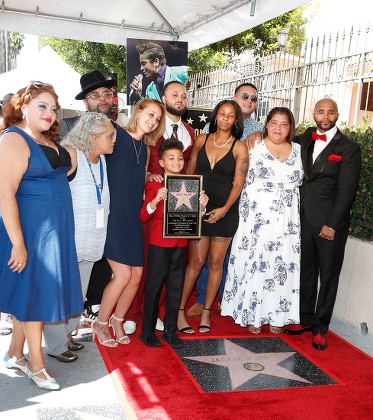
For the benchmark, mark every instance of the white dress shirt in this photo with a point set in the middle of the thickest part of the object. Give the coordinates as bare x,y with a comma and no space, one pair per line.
321,144
182,132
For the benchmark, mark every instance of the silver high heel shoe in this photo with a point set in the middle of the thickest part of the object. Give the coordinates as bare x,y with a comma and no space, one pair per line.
48,384
122,340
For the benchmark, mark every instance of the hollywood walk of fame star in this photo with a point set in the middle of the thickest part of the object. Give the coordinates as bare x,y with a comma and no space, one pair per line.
183,197
203,117
244,365
190,121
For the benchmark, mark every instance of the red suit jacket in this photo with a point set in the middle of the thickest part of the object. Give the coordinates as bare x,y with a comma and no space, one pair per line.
156,219
154,167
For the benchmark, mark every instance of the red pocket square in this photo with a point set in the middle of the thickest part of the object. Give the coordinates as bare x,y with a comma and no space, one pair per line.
334,158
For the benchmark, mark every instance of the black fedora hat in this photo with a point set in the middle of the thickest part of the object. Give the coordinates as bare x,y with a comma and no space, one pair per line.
93,80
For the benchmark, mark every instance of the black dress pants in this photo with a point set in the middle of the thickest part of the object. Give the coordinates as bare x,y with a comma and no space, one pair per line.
320,258
100,277
165,265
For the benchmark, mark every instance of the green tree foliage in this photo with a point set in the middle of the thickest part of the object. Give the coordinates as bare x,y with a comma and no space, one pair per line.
11,44
362,209
16,42
86,56
261,39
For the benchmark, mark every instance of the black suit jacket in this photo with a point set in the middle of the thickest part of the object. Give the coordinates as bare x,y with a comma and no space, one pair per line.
329,186
66,125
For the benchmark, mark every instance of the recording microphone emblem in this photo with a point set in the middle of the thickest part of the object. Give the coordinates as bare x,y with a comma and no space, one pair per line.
139,78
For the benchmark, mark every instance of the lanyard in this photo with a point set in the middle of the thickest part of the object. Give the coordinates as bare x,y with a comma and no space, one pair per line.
99,187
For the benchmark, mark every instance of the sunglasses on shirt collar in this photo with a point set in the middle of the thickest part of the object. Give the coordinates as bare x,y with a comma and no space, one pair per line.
254,98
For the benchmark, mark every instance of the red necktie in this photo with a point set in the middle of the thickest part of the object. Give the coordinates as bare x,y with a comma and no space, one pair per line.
174,132
316,136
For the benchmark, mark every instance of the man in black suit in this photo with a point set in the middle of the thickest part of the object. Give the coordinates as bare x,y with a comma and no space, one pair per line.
331,164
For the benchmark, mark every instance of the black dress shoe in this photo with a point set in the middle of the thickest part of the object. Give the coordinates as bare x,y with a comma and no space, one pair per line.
297,330
73,345
173,340
66,357
150,340
319,341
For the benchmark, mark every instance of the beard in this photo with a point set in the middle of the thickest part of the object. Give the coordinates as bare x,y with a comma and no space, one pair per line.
96,108
173,111
324,127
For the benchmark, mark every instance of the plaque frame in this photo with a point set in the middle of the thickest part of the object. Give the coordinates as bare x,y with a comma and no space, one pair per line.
182,223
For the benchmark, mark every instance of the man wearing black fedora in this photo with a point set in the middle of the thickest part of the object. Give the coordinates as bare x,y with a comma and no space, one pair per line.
98,97
92,83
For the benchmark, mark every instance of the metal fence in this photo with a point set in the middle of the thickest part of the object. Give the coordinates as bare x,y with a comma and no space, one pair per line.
339,66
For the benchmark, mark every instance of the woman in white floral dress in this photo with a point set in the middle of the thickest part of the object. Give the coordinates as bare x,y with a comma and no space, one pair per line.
262,284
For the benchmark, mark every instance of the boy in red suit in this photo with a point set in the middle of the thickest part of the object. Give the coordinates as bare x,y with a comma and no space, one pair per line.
166,257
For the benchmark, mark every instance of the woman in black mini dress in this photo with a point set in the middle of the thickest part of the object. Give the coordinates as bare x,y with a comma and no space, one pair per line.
223,162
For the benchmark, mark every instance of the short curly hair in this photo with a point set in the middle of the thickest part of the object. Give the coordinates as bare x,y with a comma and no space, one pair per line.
170,144
89,123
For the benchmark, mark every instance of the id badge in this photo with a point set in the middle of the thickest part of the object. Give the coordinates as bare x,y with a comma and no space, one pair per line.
100,218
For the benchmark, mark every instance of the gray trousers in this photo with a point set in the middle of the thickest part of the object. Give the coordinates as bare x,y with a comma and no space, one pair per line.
55,333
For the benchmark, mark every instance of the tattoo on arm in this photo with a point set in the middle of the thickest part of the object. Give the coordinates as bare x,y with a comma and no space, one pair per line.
244,167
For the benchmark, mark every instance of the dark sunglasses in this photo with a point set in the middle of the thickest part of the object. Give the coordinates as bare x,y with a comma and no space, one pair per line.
254,98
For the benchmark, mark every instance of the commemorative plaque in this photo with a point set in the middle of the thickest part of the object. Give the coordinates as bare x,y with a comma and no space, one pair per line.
182,210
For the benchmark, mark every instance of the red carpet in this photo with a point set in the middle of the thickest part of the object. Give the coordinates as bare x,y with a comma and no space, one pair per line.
158,386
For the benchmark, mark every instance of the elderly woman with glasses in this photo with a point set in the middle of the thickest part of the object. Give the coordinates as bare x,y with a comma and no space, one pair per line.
39,273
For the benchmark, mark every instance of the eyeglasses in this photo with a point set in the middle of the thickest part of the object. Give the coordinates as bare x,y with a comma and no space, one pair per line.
254,98
95,96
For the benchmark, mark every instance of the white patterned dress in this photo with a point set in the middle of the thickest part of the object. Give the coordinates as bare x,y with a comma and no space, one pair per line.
262,284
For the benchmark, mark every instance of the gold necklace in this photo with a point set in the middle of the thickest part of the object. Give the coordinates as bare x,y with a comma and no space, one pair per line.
222,144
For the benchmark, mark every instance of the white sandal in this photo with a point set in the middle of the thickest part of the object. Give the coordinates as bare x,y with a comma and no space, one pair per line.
110,342
121,340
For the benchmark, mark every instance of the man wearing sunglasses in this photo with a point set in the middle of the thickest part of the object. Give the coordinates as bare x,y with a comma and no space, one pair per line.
246,95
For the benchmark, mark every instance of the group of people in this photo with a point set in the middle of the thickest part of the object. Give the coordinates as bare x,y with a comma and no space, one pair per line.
275,218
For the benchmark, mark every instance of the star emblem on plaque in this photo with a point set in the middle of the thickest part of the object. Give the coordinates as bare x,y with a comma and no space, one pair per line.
182,210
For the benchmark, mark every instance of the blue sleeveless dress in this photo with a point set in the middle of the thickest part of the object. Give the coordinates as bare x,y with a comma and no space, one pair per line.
126,177
48,289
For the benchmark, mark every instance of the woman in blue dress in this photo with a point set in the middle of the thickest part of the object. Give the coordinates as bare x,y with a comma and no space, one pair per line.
124,248
39,275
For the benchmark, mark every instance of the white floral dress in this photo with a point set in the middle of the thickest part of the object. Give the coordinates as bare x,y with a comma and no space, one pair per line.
262,284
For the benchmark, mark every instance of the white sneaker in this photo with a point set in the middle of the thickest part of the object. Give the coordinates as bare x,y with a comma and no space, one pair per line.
159,325
130,327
